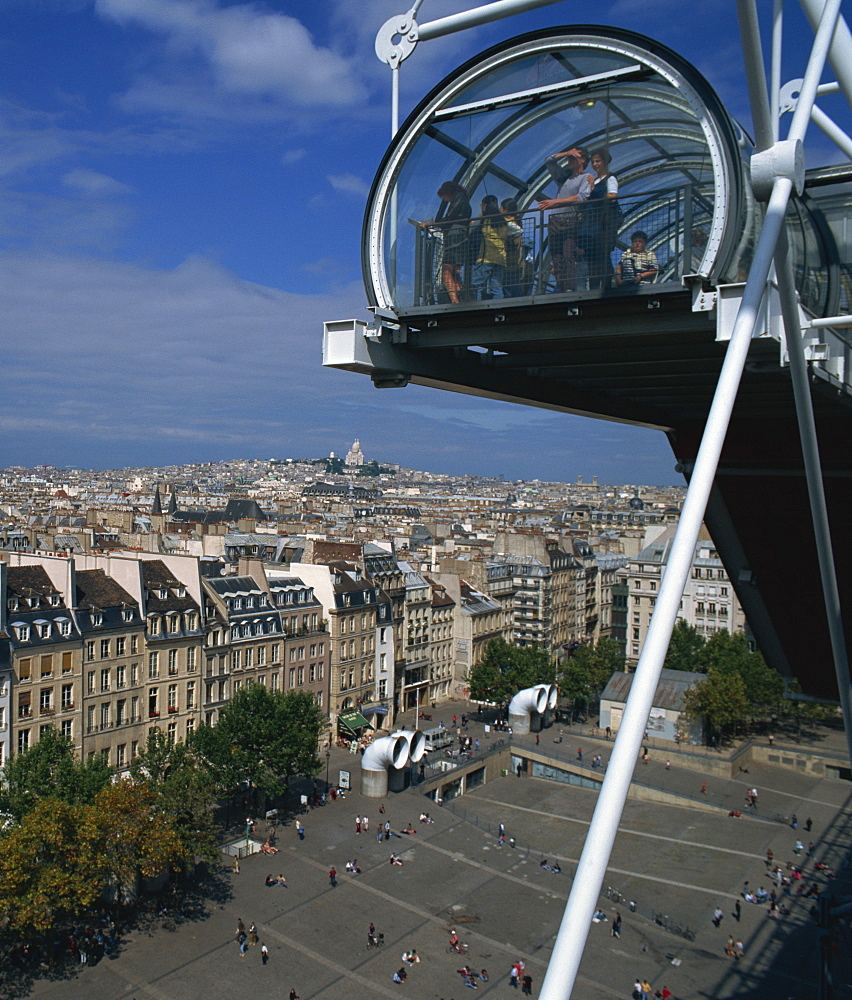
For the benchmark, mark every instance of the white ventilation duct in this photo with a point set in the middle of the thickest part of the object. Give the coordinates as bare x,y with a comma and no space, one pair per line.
416,742
552,694
388,752
524,704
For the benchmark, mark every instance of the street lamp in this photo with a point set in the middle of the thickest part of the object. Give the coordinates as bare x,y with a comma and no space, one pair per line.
327,759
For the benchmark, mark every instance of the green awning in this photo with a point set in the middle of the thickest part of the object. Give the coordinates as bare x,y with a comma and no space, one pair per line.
353,721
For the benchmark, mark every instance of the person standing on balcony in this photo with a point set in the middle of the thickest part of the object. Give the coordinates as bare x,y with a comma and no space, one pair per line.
490,267
574,189
514,251
454,224
601,221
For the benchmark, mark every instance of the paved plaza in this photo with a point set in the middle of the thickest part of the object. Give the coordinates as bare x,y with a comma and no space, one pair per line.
670,858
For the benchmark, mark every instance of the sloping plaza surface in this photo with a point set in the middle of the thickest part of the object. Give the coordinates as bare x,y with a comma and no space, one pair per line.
681,858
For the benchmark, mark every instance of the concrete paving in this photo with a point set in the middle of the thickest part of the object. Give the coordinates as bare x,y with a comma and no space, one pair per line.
674,859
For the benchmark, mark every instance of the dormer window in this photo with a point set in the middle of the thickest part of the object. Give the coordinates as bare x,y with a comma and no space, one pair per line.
97,618
180,591
55,600
262,601
249,602
12,604
237,603
163,594
23,633
126,614
44,630
154,625
65,626
279,599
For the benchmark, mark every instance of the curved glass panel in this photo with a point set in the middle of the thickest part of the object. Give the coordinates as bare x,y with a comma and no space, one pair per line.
675,167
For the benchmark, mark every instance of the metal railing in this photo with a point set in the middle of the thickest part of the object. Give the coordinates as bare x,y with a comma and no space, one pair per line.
597,233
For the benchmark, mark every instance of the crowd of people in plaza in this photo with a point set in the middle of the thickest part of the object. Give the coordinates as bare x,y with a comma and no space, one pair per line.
493,255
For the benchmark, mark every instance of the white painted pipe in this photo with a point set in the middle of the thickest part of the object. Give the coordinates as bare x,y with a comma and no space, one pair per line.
552,693
521,707
382,755
416,742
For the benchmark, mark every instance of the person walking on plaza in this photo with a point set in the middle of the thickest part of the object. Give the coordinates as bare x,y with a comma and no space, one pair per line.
616,925
365,824
739,949
236,865
357,824
253,938
703,787
729,947
300,830
264,953
737,911
527,987
718,913
332,877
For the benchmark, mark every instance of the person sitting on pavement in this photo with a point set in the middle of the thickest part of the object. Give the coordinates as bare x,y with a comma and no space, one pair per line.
270,880
396,860
400,976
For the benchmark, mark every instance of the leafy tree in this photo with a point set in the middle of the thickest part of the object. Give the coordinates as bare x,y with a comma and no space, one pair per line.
50,769
265,737
686,648
730,654
44,874
133,836
721,700
57,861
586,673
506,669
183,788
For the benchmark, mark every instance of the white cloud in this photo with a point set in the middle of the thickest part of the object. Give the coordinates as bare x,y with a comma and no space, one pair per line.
257,61
187,352
90,182
350,184
293,156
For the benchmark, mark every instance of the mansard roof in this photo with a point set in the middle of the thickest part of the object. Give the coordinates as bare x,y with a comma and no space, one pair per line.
97,590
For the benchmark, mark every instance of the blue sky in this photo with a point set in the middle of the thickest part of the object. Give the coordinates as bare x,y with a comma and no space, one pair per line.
182,184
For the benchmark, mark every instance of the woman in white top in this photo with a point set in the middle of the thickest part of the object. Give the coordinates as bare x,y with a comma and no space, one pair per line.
602,219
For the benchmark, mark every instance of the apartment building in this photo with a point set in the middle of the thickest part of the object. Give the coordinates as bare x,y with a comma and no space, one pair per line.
441,659
350,603
113,690
44,677
174,646
709,603
415,682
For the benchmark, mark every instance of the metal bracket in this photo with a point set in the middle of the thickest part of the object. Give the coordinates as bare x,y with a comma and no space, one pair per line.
397,39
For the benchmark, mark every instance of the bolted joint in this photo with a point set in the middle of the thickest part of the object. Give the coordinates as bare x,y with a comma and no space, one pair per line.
784,159
396,39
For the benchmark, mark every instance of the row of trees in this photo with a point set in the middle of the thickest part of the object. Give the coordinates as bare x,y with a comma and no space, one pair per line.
73,830
739,687
506,669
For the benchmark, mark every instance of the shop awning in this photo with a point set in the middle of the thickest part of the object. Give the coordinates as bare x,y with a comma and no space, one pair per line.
353,721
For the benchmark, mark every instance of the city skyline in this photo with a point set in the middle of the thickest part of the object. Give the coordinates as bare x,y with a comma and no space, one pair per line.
183,186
